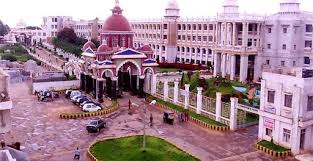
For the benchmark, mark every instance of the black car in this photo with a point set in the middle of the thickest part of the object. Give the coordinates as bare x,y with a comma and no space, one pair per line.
96,125
168,117
82,100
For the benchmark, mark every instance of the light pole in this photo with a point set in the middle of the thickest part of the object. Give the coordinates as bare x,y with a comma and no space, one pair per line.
144,122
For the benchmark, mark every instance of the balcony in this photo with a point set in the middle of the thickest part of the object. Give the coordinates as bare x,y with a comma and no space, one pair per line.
307,49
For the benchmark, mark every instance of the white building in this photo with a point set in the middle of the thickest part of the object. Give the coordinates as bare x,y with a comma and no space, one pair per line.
240,45
286,108
53,24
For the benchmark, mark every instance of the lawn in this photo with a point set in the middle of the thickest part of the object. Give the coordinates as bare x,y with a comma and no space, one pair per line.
130,149
191,113
17,52
272,146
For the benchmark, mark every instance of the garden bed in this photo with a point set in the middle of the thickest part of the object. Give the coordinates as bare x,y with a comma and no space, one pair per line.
130,149
272,146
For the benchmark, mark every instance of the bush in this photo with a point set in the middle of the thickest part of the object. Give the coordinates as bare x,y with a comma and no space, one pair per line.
9,57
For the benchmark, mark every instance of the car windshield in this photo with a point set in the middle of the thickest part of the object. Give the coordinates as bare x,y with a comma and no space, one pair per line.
94,122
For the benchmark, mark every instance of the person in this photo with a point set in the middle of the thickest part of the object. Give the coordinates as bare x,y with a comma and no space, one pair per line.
129,104
183,117
187,116
77,154
151,120
179,117
2,144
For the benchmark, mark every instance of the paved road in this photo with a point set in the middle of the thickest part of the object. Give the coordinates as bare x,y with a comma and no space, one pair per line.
47,138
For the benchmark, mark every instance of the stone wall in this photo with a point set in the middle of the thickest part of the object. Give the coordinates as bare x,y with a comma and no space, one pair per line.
59,85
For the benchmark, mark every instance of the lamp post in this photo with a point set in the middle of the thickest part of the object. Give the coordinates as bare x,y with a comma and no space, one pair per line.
144,122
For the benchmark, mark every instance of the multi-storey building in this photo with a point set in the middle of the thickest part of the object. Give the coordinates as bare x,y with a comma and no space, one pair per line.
53,24
239,45
286,108
88,29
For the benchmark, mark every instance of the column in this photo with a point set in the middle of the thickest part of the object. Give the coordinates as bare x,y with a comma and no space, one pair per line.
234,34
199,100
176,88
232,67
82,81
100,90
87,83
243,68
141,93
233,113
218,106
223,64
217,64
154,84
245,34
187,86
201,55
180,55
165,90
114,93
258,36
296,131
109,87
94,87
133,84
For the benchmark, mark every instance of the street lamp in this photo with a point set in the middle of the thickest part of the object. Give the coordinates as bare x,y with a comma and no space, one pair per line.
144,122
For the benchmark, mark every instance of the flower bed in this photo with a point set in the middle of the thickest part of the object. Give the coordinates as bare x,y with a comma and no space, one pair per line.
194,117
111,109
273,149
129,148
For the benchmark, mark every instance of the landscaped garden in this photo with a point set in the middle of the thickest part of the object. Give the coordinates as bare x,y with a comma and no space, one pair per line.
130,149
272,146
14,53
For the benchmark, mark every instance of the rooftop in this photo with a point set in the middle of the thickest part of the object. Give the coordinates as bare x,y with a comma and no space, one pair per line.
294,72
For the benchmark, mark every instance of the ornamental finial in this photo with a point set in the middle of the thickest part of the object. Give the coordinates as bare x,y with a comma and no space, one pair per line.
117,2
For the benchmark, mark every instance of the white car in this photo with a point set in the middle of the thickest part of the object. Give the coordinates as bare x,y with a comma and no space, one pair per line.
75,93
90,107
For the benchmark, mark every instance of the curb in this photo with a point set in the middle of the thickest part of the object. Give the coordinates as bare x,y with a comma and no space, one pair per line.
273,153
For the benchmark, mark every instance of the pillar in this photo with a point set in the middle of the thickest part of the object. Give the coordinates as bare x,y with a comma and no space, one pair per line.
133,84
244,34
141,93
114,93
82,81
187,86
223,65
234,34
233,113
87,82
232,67
199,100
154,84
218,106
243,68
165,92
217,64
100,90
176,88
109,87
94,87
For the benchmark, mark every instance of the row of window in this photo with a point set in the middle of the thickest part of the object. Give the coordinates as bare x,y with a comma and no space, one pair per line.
39,34
288,100
54,26
286,134
308,28
307,44
195,38
82,27
54,19
179,27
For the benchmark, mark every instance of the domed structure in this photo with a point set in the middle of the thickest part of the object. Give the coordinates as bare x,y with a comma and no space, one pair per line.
147,50
172,4
89,44
117,30
103,47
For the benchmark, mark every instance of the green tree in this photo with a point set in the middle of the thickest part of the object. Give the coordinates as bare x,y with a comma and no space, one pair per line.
8,57
68,35
194,81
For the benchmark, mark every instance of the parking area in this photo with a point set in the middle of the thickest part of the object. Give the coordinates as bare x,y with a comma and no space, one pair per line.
47,138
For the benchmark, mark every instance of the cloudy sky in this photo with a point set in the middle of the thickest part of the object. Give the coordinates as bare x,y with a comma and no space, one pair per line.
32,11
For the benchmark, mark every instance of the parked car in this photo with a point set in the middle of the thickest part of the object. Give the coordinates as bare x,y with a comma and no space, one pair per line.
75,98
96,125
75,93
46,95
68,93
168,117
90,107
82,100
88,102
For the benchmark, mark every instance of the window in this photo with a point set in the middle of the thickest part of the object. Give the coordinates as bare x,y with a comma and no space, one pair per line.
284,47
268,62
288,100
308,28
286,135
294,63
205,27
268,132
164,37
308,44
210,38
210,27
269,46
165,26
199,38
307,60
193,38
294,47
270,96
310,103
282,63
179,37
285,30
269,30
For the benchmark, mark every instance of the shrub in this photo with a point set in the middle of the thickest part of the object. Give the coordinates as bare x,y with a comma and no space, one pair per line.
9,57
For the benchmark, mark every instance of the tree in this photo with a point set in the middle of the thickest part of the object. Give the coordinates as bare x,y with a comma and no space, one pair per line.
4,29
9,57
68,35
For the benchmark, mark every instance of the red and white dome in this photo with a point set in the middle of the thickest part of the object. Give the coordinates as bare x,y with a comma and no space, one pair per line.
116,22
103,48
145,48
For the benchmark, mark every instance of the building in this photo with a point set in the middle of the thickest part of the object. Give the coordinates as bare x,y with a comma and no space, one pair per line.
53,24
286,108
88,29
5,103
115,66
239,45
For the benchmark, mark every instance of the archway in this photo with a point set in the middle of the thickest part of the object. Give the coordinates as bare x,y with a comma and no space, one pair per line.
148,77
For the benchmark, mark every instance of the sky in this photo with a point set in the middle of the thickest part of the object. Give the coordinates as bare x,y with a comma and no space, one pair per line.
32,11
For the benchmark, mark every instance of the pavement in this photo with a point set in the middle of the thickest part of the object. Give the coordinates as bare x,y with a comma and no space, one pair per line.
46,137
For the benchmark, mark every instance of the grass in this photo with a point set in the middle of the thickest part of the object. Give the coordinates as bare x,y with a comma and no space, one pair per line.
16,51
251,118
191,113
272,146
130,149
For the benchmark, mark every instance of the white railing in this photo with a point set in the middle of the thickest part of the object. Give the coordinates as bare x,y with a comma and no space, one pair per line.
248,108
